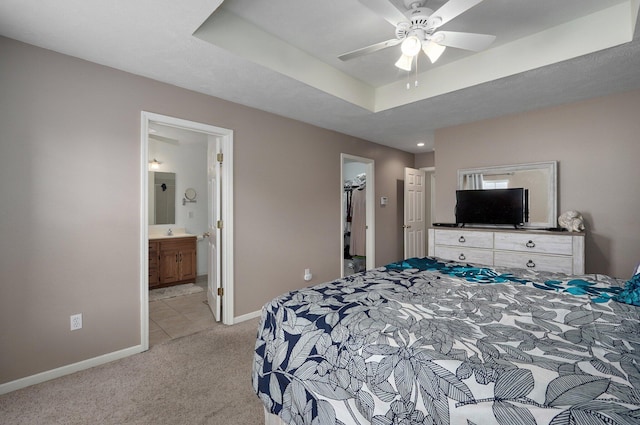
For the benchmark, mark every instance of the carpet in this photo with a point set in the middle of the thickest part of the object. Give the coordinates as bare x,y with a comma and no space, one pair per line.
200,379
174,291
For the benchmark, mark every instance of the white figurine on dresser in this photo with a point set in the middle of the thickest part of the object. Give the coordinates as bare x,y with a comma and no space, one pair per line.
533,249
572,221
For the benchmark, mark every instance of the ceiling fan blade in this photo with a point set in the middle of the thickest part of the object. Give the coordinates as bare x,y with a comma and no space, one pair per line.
463,40
385,9
450,10
369,49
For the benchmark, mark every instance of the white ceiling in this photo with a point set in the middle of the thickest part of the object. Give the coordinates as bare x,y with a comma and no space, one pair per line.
174,135
547,52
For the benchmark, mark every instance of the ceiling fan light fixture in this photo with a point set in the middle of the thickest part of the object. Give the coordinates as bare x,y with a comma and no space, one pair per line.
411,46
417,28
405,62
433,50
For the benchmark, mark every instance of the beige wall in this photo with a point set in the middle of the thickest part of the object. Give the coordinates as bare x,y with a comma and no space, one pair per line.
597,146
70,203
423,160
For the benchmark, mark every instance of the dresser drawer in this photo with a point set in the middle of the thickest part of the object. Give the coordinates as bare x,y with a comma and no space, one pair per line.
465,255
544,244
539,262
464,238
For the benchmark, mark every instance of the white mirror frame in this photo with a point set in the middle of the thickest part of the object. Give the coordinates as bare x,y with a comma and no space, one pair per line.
552,184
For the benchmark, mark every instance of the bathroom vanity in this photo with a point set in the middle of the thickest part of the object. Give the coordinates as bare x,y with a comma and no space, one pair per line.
172,260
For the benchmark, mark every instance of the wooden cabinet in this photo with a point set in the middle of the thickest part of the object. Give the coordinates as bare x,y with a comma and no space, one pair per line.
540,250
154,274
174,261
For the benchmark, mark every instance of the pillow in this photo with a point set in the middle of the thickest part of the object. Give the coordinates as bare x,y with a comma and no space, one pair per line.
631,292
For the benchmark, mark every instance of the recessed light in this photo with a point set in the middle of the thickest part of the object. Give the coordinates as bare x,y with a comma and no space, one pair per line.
421,144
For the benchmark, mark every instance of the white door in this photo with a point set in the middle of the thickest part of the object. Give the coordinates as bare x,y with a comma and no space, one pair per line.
414,213
214,214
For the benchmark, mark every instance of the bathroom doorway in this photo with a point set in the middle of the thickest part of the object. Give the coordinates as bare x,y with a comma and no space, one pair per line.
193,152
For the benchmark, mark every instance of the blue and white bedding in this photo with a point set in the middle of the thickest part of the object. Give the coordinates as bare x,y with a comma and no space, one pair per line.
432,342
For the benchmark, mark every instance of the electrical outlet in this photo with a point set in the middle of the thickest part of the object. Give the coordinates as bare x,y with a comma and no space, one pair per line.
76,321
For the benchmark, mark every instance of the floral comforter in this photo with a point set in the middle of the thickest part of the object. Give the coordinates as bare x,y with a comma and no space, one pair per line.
431,342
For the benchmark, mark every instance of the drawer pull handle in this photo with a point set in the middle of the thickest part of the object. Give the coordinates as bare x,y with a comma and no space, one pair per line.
530,244
531,264
461,257
461,239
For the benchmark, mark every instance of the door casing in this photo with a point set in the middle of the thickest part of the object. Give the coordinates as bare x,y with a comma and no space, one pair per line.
370,209
226,138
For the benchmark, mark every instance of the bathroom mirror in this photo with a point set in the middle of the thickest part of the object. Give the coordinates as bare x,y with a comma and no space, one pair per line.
539,177
162,198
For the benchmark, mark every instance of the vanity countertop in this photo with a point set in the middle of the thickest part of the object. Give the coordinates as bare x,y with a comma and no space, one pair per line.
176,233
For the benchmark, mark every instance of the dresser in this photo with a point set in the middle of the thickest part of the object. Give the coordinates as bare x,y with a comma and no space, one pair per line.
526,249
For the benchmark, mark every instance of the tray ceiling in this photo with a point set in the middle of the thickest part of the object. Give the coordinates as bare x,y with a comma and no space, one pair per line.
281,56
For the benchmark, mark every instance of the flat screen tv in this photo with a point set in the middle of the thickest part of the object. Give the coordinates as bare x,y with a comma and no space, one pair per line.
492,206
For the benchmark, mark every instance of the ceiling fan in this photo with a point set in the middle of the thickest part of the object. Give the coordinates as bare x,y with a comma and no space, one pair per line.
416,29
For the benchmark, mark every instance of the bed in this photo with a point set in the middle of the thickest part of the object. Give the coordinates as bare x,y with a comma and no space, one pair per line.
429,341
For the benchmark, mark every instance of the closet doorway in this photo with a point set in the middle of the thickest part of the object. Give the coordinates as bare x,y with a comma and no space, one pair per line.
357,216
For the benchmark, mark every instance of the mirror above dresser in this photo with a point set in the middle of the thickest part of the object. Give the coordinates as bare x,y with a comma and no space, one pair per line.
540,178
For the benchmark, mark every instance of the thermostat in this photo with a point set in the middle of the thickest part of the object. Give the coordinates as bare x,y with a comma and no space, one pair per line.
384,200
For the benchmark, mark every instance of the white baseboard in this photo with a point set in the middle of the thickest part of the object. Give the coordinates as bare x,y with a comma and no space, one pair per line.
69,369
89,363
248,316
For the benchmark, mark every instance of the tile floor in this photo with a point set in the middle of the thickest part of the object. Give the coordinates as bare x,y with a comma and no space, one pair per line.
179,316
